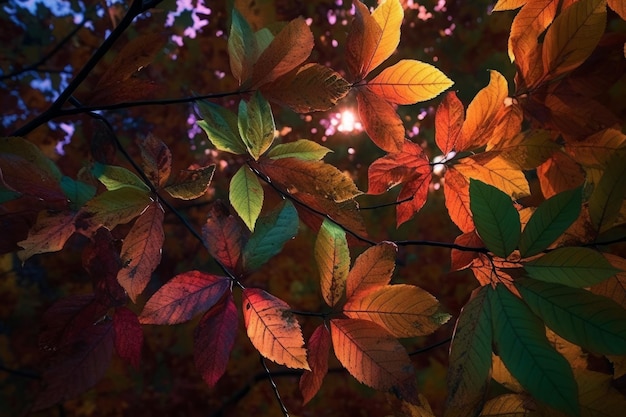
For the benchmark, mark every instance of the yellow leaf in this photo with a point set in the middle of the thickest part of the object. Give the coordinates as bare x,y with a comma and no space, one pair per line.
372,269
481,113
573,36
597,395
402,310
380,120
272,329
362,41
497,172
503,376
508,5
333,261
388,15
409,82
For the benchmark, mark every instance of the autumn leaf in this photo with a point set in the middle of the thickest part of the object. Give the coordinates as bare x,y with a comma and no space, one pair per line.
362,41
615,286
332,257
272,329
372,356
609,193
618,7
48,234
596,150
191,183
184,296
304,149
456,192
372,269
388,15
213,340
256,124
530,22
380,120
461,259
559,173
141,251
448,122
573,36
22,148
409,82
495,171
508,125
112,208
114,177
246,196
319,348
402,310
528,149
156,159
243,50
223,235
128,336
508,5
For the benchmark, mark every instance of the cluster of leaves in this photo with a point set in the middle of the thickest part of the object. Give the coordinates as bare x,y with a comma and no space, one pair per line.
547,299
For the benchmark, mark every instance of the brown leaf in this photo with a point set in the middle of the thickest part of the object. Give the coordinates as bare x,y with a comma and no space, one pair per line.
48,234
157,160
362,41
319,348
559,173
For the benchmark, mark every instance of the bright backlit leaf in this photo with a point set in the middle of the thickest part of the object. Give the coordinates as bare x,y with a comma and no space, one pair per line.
271,233
332,257
141,251
220,125
586,319
388,15
372,269
497,172
380,121
372,355
529,149
246,196
256,124
496,220
571,266
304,149
362,41
273,329
402,310
191,183
470,357
48,234
213,340
319,348
448,122
549,221
456,192
114,177
508,5
409,82
183,297
520,338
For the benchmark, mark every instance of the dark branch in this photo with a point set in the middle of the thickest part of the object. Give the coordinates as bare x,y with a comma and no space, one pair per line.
283,408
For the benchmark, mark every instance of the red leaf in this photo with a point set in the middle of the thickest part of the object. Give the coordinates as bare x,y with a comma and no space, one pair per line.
102,261
372,269
27,178
463,259
319,348
141,251
128,336
456,192
184,296
214,339
448,122
49,234
223,235
157,160
380,120
362,42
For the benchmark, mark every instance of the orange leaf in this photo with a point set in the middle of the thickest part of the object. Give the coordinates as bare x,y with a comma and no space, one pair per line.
388,15
531,21
573,36
402,310
481,113
559,173
157,160
508,125
141,251
273,330
333,261
461,259
380,120
290,48
409,82
372,269
508,5
184,296
618,7
448,121
597,149
372,355
496,171
319,348
48,234
223,235
362,41
456,192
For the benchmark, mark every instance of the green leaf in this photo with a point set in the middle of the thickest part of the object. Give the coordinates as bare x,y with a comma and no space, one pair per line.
114,177
574,267
77,192
8,195
304,149
220,125
271,234
242,47
609,193
549,221
256,124
594,322
333,261
192,183
523,347
112,208
246,196
470,357
496,220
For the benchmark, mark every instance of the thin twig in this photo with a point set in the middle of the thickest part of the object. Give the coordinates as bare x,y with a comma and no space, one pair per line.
17,372
394,203
430,347
274,388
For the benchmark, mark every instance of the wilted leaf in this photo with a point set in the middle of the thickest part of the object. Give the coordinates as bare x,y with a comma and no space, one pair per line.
213,339
184,296
271,233
402,310
242,47
470,357
609,193
380,121
372,269
332,257
372,356
246,196
157,160
114,177
128,336
448,122
575,267
48,234
273,330
220,125
520,338
309,88
304,149
191,183
456,192
141,251
112,208
588,320
223,235
409,82
256,124
362,41
496,220
573,36
319,348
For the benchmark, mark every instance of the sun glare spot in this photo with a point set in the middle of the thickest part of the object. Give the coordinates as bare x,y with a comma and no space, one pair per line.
348,122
